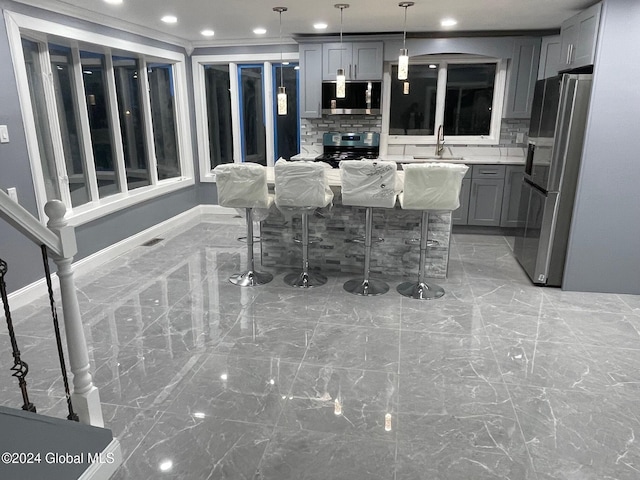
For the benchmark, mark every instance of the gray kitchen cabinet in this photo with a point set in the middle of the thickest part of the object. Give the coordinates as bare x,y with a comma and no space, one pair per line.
511,196
522,80
460,216
360,60
549,57
485,200
310,94
579,36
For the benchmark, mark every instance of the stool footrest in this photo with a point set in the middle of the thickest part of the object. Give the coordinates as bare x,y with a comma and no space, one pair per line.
420,290
250,278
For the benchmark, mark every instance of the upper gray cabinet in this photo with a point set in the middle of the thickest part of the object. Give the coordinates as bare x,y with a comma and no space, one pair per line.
360,60
549,57
522,80
579,36
310,80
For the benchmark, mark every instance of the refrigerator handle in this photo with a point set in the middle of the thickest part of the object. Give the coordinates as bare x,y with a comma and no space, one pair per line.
528,166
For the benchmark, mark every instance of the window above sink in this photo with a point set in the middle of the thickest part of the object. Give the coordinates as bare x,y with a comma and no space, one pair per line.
464,93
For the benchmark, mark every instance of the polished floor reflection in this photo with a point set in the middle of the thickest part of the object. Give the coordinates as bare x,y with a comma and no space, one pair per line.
201,379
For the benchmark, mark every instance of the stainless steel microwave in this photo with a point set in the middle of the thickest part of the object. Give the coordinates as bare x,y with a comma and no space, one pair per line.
362,98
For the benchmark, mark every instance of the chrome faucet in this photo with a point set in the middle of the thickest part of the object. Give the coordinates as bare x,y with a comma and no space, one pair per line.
440,141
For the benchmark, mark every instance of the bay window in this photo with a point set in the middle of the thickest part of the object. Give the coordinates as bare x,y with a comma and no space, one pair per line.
106,120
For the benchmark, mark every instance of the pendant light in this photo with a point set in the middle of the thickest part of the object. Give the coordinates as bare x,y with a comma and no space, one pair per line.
282,91
403,60
340,76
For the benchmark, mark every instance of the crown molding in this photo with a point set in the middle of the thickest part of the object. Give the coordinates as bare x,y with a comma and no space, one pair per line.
80,13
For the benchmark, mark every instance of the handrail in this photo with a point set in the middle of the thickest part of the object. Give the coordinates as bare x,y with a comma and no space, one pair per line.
27,224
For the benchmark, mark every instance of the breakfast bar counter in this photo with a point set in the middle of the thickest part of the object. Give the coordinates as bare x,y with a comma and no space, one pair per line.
335,227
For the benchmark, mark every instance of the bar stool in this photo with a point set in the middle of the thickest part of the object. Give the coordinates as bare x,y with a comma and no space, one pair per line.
302,187
244,185
429,187
368,184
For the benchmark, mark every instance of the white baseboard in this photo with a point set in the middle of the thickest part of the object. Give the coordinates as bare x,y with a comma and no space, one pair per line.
112,456
33,291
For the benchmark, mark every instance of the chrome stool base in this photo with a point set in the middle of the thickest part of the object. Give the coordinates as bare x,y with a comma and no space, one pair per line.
305,279
250,278
366,288
420,290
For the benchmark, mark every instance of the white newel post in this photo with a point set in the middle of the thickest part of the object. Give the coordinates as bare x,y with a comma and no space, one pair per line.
85,396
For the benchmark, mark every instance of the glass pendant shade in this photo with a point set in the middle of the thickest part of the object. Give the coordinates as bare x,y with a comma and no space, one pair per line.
403,64
282,101
341,84
405,88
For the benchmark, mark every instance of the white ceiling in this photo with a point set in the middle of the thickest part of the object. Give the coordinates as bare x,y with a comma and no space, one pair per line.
234,20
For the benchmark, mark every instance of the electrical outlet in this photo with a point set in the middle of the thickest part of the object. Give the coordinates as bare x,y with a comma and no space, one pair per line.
13,194
4,134
519,137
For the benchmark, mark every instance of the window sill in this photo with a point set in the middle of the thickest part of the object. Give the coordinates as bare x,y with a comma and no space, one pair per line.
94,210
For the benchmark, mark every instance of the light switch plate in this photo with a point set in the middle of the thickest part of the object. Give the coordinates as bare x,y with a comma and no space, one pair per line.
4,134
13,194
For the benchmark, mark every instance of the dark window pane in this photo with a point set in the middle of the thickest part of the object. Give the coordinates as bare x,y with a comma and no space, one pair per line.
217,87
469,99
252,115
413,114
126,72
63,81
38,104
161,90
93,74
287,131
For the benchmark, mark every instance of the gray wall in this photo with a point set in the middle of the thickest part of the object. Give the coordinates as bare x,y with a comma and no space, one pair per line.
23,257
604,247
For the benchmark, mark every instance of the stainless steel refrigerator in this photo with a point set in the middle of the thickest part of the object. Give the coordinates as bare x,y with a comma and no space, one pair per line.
556,137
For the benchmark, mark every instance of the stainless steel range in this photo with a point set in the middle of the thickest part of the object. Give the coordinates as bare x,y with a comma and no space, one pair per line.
349,146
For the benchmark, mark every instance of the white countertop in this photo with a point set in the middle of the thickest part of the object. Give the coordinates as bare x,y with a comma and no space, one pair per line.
467,159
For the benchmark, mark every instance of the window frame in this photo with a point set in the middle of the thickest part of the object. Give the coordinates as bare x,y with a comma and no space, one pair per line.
198,63
40,30
499,98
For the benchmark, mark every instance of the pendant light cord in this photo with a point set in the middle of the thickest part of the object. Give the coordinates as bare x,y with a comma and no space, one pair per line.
281,55
341,64
404,36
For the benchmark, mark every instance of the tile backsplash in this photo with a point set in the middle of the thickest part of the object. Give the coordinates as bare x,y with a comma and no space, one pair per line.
311,129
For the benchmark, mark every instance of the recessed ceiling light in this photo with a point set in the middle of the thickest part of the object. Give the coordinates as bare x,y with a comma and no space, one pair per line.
114,2
320,26
259,31
448,22
208,33
432,65
166,465
169,19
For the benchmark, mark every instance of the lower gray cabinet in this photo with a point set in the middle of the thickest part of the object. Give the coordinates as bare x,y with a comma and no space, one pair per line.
485,204
461,215
511,196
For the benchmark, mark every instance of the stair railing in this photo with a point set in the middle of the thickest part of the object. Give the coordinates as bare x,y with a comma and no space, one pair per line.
58,238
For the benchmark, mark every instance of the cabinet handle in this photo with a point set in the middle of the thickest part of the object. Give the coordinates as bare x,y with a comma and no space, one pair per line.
569,52
355,71
349,71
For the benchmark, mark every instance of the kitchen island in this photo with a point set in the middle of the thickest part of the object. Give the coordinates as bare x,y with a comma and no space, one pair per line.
335,227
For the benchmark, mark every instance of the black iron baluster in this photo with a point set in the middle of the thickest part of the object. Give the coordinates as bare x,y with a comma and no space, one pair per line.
56,326
20,368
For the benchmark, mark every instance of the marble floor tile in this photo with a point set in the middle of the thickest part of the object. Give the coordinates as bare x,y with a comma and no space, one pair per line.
299,454
184,447
237,388
457,357
572,434
547,364
354,347
342,401
448,447
498,379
